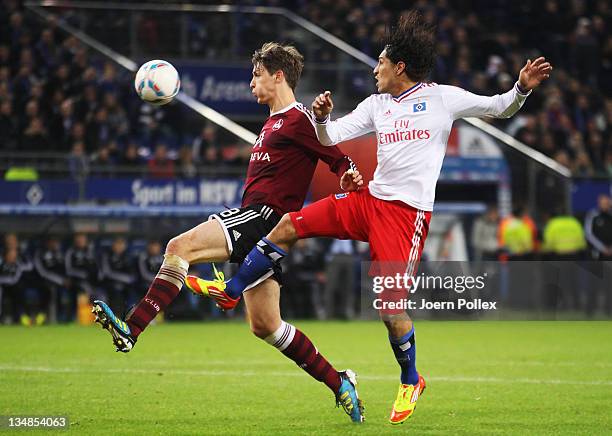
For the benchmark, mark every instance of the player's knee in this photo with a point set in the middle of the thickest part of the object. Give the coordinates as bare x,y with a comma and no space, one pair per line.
262,328
284,232
177,246
397,325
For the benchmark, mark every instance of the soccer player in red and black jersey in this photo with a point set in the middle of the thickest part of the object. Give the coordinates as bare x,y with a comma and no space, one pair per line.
282,164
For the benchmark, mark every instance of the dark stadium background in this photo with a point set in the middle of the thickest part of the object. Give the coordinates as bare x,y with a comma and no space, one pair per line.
81,154
94,182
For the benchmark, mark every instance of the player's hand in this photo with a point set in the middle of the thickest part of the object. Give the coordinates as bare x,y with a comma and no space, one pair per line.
322,105
351,180
534,73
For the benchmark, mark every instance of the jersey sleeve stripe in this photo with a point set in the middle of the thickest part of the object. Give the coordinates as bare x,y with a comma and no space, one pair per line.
308,114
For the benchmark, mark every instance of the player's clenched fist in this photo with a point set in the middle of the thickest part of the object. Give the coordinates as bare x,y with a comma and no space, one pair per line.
351,180
322,105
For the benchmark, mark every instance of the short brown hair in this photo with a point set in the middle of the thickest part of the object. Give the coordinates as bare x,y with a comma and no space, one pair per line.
286,58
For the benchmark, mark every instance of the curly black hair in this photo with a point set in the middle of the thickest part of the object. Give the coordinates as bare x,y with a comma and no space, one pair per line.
412,41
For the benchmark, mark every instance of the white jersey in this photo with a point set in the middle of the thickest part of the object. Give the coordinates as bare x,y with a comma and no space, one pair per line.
412,131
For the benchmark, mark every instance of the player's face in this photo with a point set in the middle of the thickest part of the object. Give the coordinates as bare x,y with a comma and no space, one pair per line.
384,73
263,85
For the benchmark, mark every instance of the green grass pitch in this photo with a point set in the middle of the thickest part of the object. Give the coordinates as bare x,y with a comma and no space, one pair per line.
216,378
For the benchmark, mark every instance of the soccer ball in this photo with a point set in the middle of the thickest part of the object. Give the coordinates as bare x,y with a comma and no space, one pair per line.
157,82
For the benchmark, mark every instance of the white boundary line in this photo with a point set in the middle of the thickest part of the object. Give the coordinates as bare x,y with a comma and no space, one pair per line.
208,373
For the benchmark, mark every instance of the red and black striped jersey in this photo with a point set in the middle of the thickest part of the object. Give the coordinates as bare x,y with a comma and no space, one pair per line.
284,158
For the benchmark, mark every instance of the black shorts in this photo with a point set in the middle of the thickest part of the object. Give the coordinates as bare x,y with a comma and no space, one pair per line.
244,227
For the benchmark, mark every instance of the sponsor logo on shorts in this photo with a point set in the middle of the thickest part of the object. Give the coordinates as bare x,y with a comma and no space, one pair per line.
236,234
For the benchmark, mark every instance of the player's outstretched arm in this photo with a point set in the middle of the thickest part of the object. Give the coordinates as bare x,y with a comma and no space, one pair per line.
357,123
534,73
462,103
322,106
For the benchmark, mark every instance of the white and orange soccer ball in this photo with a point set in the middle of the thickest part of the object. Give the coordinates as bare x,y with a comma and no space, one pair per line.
157,82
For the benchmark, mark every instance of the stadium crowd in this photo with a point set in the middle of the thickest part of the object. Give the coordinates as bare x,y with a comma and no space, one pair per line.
57,96
481,47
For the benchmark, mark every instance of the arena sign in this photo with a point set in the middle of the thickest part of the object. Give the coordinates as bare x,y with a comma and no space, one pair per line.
135,192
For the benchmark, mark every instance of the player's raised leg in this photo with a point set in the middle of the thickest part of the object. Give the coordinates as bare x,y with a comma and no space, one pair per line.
204,243
262,302
257,266
318,219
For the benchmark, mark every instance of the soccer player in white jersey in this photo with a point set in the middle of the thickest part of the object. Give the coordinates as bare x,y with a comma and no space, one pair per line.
412,120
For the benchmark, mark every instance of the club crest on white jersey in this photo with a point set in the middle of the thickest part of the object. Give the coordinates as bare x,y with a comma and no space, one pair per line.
419,107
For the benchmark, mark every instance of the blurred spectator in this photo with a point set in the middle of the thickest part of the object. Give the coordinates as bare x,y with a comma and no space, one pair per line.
130,161
339,297
46,49
50,266
564,241
564,238
118,274
529,134
88,105
62,123
484,235
585,51
212,156
11,241
11,286
582,165
516,236
304,281
99,129
187,169
35,136
149,263
78,163
116,115
203,143
598,229
8,126
82,269
17,272
130,156
102,164
608,163
160,165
